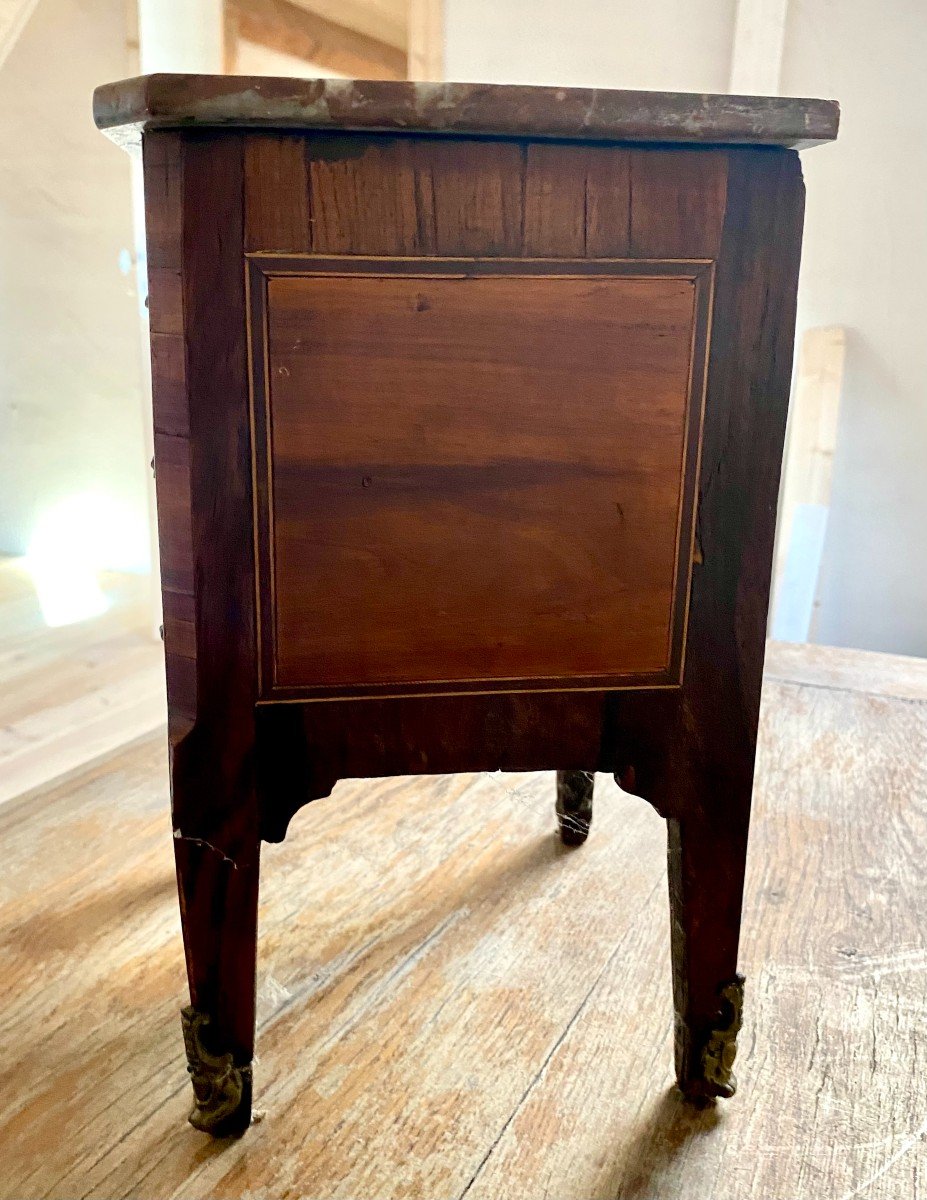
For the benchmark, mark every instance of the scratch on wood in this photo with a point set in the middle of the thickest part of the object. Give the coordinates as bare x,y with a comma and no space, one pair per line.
197,841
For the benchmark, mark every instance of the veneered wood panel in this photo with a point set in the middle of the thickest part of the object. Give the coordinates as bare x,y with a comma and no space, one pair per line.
555,200
196,193
605,729
179,623
363,196
476,195
163,173
367,195
277,213
180,626
576,200
165,299
168,373
476,478
677,202
172,476
213,803
162,156
409,196
212,796
608,202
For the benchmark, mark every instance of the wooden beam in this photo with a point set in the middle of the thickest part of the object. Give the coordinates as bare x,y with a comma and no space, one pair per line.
383,20
426,39
286,28
806,483
756,56
13,17
230,36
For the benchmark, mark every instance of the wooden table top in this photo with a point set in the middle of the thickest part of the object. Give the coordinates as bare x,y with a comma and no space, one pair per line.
125,109
451,1003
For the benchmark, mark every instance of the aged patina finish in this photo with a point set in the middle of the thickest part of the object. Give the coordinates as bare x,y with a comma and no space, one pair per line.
721,1048
221,1090
469,405
128,108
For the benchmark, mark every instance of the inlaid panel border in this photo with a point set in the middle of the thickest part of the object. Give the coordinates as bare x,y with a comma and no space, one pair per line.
260,268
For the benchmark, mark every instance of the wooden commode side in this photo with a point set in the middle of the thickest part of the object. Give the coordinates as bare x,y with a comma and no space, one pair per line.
469,405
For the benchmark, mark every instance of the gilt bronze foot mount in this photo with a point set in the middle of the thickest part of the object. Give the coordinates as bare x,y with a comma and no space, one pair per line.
714,1075
221,1089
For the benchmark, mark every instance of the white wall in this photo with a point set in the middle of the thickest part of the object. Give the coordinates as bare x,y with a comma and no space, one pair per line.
70,371
181,35
682,45
865,259
70,363
865,244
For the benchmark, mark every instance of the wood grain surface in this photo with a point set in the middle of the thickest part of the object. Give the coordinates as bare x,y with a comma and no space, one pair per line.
412,197
507,537
846,670
73,694
477,471
451,1004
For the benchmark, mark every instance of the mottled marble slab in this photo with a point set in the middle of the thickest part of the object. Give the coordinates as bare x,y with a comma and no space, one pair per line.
125,109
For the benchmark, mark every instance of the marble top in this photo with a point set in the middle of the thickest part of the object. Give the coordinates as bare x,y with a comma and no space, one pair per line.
125,109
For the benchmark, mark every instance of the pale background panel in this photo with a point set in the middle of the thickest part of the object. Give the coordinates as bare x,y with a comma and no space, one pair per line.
864,261
70,350
71,376
673,45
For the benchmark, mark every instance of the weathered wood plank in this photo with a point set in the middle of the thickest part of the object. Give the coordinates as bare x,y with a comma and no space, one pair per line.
449,1003
74,694
836,897
849,670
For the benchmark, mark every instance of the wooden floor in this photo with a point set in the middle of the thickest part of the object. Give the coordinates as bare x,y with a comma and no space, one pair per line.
70,696
452,1005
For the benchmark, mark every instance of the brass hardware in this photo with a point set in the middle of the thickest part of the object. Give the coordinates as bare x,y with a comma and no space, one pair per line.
221,1090
721,1048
